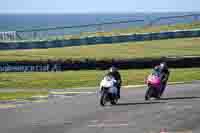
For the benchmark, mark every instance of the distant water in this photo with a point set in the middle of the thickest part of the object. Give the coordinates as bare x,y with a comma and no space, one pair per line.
12,22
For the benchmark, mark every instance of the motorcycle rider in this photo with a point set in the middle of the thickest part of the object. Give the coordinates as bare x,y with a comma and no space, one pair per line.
163,68
113,71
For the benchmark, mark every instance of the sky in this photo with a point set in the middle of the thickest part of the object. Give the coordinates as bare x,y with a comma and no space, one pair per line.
97,6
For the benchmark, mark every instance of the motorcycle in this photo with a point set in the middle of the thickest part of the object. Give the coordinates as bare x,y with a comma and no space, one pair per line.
108,91
154,84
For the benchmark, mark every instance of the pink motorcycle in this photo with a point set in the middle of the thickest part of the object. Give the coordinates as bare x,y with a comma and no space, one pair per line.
154,84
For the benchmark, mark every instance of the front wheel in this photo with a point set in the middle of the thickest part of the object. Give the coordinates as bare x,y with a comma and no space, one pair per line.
148,94
103,99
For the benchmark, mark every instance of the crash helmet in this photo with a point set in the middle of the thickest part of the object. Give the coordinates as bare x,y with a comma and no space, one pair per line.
163,65
113,69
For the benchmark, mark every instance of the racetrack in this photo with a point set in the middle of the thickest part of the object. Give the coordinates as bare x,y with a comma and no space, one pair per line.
178,111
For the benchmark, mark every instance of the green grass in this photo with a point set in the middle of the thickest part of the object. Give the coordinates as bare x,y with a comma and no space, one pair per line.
19,95
158,48
84,78
38,83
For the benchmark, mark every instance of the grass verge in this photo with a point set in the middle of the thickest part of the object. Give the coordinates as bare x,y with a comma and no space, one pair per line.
20,95
74,79
85,78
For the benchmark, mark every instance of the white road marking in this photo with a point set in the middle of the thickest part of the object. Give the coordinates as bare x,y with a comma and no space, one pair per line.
62,96
42,96
187,107
96,87
137,86
94,121
169,107
101,125
70,92
7,106
39,101
133,86
108,121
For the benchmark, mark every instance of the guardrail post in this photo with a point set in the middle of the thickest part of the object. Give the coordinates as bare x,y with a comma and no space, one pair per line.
35,35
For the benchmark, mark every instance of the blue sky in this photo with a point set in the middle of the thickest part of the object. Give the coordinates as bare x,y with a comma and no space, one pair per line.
97,6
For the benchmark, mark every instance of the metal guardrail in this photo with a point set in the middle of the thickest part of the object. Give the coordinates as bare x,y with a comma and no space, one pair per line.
9,35
194,16
65,32
101,39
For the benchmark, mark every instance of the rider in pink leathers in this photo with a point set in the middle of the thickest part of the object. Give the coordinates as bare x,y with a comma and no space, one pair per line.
164,71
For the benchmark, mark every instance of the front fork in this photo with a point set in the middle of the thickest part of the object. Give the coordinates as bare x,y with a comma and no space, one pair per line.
163,86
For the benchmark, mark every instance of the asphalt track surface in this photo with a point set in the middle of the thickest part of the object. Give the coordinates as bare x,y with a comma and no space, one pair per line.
177,112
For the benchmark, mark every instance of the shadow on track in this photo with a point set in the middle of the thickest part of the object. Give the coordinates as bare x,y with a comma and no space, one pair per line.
179,98
139,103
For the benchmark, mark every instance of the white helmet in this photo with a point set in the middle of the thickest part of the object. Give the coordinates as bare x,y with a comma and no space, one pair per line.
163,65
113,69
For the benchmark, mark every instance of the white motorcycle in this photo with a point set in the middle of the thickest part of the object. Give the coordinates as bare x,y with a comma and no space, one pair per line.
108,91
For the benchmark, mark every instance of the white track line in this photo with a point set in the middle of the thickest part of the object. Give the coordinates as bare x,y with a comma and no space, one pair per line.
101,125
7,106
69,92
90,92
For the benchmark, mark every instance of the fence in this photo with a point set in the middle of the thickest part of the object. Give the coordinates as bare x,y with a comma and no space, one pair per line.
10,35
77,31
100,40
175,19
81,31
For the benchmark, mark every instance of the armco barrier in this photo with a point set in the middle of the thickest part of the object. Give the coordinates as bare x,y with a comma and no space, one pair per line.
100,40
87,64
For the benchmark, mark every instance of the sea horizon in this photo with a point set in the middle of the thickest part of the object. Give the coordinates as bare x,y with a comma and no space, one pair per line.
18,21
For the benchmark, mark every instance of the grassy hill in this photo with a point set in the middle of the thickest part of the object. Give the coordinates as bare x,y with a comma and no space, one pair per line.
130,50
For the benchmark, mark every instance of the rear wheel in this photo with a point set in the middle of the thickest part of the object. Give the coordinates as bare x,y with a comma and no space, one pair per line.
114,101
158,95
